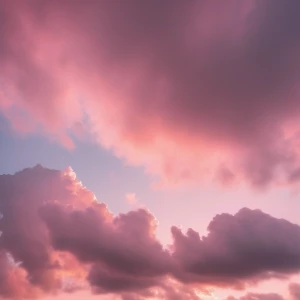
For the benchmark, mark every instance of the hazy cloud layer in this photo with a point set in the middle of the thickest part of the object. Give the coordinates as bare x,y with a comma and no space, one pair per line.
216,81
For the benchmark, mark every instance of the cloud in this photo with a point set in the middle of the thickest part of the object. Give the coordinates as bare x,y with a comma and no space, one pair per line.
131,198
124,250
25,237
167,290
239,249
294,289
215,81
57,237
13,282
256,296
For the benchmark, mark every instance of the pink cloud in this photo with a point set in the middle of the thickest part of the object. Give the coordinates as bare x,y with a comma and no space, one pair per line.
131,198
294,289
255,296
187,96
60,238
25,237
13,281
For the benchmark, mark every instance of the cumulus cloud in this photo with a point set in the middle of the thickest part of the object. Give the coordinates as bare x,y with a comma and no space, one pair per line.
124,250
248,246
13,281
25,237
57,237
216,81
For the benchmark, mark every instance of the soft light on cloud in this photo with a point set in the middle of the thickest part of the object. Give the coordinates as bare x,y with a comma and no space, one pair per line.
76,243
195,93
190,90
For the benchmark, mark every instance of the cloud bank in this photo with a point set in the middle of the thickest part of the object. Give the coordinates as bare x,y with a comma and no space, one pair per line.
216,81
57,237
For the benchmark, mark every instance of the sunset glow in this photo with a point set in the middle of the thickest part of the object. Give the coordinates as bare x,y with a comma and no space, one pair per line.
149,149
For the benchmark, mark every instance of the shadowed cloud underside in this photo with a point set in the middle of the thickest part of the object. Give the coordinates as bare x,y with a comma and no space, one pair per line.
60,238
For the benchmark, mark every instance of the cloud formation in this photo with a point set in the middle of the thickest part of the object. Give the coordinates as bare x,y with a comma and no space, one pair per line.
248,246
216,81
255,296
24,236
13,281
123,249
57,237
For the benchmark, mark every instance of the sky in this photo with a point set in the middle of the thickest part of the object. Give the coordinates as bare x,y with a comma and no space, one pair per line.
149,149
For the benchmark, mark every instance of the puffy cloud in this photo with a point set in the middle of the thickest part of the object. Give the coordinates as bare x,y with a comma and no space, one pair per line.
124,250
216,81
13,281
63,239
25,236
20,198
239,249
57,237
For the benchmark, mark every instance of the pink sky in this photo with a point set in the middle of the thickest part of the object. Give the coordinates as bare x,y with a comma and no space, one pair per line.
181,120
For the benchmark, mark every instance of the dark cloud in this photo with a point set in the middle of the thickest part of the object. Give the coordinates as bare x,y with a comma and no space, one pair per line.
24,235
124,250
240,248
56,236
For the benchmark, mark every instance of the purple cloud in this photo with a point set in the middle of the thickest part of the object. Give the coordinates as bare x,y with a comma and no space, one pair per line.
55,231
